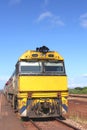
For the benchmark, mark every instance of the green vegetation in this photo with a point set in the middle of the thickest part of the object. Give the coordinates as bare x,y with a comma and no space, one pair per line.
78,90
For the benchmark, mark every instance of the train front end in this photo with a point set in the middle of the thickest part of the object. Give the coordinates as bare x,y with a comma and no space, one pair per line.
42,84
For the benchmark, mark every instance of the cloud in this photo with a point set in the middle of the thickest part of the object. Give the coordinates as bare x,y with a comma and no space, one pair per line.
83,20
79,81
44,16
4,78
51,18
57,21
13,2
85,75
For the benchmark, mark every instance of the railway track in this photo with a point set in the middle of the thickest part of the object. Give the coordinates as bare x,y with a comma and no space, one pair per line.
36,126
47,124
78,95
67,124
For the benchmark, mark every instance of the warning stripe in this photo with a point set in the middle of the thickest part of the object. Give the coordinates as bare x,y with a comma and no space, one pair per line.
65,107
22,109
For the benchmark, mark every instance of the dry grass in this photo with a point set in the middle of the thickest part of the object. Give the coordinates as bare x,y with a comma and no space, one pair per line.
81,120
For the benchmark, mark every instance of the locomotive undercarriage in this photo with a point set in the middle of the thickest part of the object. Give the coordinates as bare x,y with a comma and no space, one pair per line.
44,108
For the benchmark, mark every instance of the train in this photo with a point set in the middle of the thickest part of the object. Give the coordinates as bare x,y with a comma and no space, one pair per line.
38,86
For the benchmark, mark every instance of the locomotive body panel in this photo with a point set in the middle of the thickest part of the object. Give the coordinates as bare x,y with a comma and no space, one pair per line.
42,83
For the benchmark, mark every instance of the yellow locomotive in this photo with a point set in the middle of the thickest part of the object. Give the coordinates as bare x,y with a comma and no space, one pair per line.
38,86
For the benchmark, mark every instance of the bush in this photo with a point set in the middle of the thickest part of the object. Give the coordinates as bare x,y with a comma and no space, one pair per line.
78,90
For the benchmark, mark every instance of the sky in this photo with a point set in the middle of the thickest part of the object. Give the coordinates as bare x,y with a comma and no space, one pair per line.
61,25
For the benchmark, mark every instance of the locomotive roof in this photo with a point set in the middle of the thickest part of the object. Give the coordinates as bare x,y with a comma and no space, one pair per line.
36,55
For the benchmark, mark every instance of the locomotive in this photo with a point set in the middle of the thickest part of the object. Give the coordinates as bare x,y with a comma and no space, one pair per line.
38,86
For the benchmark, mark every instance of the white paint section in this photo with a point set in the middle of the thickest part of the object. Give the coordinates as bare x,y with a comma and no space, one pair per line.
24,113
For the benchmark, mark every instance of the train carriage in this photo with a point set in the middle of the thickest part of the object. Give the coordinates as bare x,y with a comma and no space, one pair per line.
39,84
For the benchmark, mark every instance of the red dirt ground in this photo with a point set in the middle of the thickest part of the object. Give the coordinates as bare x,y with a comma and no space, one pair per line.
78,110
8,119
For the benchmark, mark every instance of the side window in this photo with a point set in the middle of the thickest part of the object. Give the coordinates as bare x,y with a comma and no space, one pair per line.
17,69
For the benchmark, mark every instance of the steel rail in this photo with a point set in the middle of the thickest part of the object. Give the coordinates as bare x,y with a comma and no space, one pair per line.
69,125
35,124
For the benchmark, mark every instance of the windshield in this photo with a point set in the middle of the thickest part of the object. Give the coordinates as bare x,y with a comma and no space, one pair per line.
30,67
54,67
42,67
